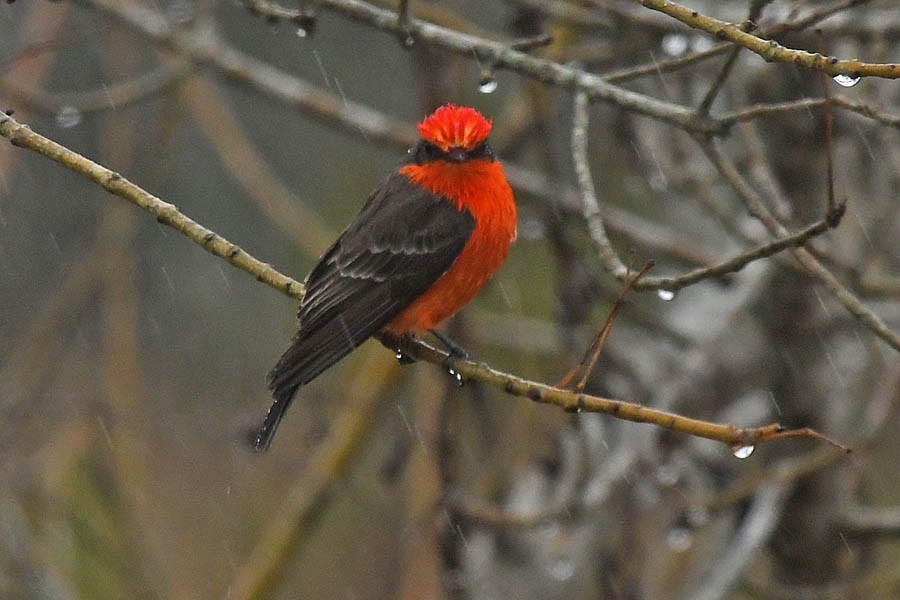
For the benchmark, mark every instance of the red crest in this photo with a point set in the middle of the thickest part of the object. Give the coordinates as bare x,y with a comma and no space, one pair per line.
453,126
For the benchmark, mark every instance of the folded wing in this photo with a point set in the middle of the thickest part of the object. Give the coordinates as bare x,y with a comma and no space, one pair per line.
400,243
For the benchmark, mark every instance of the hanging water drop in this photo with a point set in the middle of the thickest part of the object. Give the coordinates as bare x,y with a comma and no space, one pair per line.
665,295
68,116
409,41
743,451
487,84
302,32
456,375
846,80
403,359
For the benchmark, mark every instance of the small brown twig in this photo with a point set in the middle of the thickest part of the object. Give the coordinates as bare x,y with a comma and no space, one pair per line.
592,354
829,132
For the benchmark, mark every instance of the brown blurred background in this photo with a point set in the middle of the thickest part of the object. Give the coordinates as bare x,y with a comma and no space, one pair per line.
133,363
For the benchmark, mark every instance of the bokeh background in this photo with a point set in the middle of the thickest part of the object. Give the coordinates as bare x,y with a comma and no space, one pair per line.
132,363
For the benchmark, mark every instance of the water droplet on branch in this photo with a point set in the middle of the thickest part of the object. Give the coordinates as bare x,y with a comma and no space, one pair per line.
665,295
743,451
456,375
487,84
845,80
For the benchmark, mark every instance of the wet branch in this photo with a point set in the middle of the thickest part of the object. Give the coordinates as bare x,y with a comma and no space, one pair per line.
731,435
675,64
770,50
811,264
614,265
503,56
167,214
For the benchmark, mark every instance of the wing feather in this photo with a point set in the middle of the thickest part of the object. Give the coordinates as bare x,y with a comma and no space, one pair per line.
401,242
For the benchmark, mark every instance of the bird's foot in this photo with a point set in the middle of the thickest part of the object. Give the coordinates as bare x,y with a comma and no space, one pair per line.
403,359
455,350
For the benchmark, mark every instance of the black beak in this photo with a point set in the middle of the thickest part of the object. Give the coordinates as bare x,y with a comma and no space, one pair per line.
457,155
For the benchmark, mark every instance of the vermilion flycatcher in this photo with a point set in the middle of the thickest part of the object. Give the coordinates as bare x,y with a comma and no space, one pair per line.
425,242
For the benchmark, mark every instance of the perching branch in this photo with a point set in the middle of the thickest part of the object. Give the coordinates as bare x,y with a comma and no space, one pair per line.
731,435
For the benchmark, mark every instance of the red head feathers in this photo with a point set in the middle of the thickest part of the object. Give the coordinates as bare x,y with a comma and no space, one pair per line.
453,126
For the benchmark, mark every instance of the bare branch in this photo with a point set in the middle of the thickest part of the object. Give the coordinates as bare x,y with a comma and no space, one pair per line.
614,265
770,50
167,214
757,208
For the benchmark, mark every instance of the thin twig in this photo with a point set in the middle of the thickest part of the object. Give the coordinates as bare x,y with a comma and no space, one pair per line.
592,354
676,64
829,131
725,71
608,257
611,261
758,209
764,110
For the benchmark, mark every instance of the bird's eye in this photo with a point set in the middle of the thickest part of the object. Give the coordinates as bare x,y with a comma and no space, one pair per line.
426,152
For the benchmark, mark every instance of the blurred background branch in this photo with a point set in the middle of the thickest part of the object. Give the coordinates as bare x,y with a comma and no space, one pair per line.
132,366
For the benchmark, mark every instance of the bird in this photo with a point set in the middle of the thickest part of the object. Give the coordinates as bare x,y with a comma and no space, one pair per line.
421,247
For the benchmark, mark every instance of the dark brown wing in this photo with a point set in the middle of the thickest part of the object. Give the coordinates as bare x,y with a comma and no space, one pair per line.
400,243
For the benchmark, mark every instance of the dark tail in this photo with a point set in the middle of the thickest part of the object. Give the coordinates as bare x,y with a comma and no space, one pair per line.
266,431
309,354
